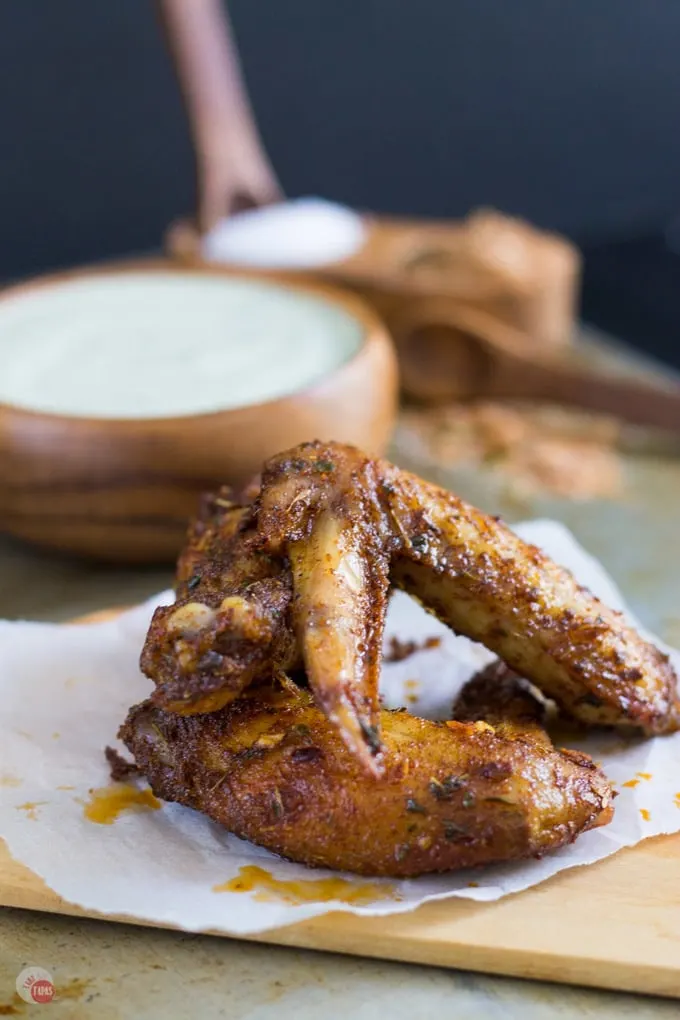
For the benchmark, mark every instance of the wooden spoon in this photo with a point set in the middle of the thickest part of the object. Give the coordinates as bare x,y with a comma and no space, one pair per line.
450,351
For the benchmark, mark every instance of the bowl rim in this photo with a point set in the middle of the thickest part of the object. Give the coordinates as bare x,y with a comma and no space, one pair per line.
373,332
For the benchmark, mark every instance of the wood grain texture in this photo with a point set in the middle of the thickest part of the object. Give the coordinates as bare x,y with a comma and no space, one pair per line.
123,490
614,924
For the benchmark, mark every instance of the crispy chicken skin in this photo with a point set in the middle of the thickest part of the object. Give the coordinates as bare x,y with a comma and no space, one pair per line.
477,576
481,579
229,624
273,769
305,571
323,514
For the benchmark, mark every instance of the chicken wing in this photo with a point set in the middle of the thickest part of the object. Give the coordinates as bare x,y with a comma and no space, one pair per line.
304,572
229,625
319,509
477,576
481,579
272,769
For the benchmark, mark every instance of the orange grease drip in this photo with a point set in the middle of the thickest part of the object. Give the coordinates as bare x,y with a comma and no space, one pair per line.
107,803
30,808
677,800
9,780
410,689
644,775
252,878
632,783
645,814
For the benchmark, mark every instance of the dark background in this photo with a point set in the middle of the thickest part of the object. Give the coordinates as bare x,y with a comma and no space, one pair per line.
566,113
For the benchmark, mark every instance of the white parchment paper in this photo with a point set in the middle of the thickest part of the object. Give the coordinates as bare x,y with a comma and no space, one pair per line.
66,689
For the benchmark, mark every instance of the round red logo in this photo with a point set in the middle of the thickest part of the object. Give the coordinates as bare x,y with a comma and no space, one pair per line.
42,991
35,985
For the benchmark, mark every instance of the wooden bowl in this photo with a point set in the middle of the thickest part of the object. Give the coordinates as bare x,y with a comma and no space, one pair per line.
123,489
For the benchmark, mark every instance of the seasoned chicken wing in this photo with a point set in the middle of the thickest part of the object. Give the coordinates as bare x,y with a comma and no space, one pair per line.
481,579
304,573
322,514
271,768
229,626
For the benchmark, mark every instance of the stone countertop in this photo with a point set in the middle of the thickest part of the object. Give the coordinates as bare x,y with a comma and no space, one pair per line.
118,972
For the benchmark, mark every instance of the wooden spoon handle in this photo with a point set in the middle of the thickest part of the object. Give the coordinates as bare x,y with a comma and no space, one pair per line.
233,170
448,351
555,380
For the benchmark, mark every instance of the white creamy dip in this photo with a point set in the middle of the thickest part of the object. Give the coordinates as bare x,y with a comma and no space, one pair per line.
297,234
150,345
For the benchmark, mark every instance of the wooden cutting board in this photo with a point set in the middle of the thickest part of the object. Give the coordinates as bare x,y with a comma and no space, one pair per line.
614,924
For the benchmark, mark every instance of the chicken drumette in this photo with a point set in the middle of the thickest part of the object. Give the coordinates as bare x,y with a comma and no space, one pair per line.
271,768
308,567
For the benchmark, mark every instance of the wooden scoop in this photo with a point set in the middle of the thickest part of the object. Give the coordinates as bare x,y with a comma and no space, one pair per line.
450,352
